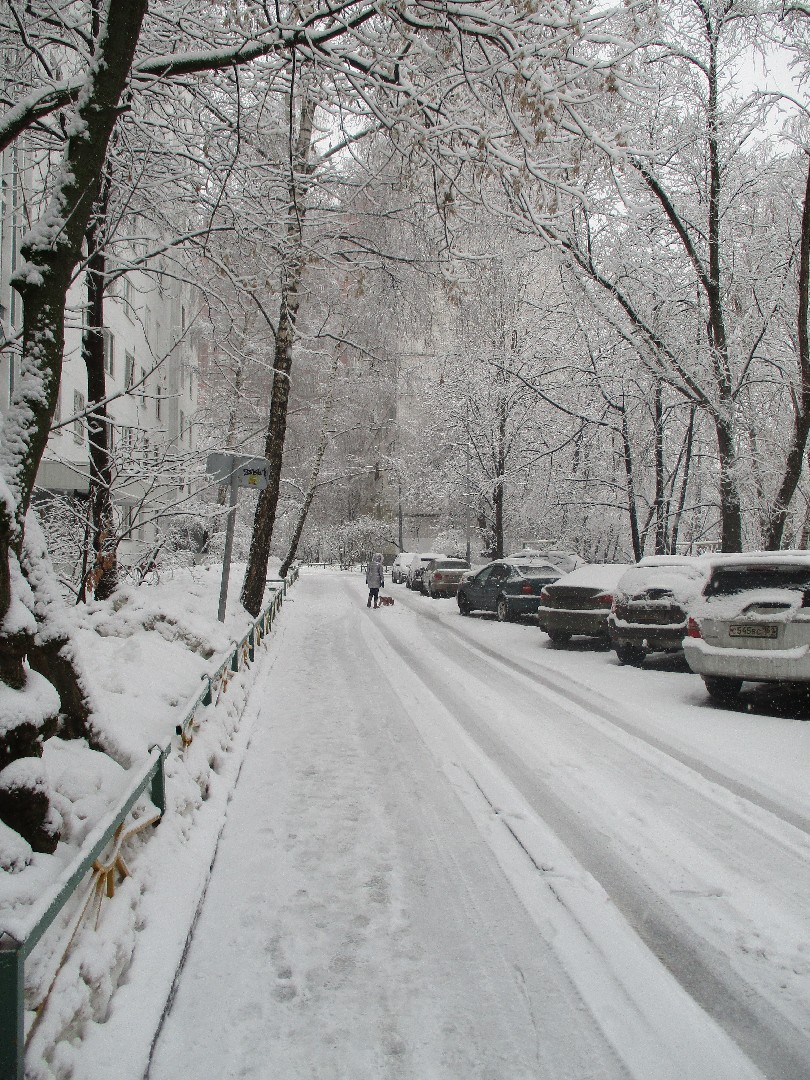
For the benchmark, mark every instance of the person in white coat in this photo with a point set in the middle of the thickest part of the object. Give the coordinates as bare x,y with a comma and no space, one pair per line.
375,579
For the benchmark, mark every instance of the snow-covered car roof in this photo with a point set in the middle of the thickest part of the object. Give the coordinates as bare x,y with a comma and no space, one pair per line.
563,560
595,576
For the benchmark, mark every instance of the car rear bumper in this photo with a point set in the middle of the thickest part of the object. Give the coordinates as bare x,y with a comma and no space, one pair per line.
522,605
775,665
587,623
655,638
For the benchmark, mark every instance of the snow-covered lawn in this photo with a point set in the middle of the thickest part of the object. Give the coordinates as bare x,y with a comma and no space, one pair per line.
455,852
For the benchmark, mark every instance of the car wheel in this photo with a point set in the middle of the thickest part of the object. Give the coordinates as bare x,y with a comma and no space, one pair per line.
722,688
558,637
630,654
463,604
502,610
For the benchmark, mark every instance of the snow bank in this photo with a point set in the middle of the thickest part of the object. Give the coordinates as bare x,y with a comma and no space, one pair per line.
143,654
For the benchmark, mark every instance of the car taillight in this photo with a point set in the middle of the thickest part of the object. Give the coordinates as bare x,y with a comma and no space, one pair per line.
604,599
437,577
526,588
613,607
692,628
544,595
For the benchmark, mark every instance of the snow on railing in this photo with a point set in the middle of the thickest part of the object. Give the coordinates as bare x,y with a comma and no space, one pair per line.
19,936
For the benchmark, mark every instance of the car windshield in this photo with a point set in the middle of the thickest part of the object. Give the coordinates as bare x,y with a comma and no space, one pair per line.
529,569
727,580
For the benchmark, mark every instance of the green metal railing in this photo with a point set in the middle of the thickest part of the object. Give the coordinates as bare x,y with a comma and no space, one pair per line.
19,936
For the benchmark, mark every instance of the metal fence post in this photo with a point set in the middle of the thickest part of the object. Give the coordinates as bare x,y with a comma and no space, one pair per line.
252,644
158,788
12,1022
235,659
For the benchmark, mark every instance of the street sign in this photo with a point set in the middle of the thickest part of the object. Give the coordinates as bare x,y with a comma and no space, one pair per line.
235,470
247,472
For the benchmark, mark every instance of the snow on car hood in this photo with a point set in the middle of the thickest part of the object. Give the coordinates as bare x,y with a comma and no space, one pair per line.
683,582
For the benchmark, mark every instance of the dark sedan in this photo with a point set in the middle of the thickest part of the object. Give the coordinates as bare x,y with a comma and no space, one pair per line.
652,602
580,603
510,589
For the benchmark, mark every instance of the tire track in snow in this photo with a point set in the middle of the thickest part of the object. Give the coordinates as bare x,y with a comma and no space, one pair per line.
586,698
768,1038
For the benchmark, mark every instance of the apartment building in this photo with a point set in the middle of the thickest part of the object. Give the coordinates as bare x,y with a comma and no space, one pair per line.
151,375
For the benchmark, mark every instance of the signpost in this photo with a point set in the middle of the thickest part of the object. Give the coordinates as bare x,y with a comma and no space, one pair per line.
235,470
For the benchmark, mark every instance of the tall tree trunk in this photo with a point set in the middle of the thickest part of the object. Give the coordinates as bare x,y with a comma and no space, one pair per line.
267,504
687,464
287,561
102,576
632,508
499,489
709,279
50,253
658,435
801,404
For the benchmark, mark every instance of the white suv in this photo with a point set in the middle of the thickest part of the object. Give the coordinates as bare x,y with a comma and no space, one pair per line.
753,622
399,567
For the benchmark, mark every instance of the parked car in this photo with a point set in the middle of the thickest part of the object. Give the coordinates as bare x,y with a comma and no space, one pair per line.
442,577
399,567
580,602
510,589
417,566
752,622
651,605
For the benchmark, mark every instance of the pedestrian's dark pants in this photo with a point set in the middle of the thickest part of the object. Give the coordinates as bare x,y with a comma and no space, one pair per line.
373,595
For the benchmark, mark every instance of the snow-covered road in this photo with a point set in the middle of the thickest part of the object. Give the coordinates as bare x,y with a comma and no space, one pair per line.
456,852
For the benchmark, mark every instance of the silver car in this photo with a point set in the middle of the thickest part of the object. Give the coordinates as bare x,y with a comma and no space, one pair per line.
752,623
442,577
417,567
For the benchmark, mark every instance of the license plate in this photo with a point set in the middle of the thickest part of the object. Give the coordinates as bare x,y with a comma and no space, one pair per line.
753,630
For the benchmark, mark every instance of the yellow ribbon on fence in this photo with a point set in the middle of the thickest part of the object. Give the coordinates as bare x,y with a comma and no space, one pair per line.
103,882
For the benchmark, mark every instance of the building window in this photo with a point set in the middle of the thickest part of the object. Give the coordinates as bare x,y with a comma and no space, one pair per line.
78,423
129,370
126,296
142,381
158,402
183,318
109,352
110,435
182,425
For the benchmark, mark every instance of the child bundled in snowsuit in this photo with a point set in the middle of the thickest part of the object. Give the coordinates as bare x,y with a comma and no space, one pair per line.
375,579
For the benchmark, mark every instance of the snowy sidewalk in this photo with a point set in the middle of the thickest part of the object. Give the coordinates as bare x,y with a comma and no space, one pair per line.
355,925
